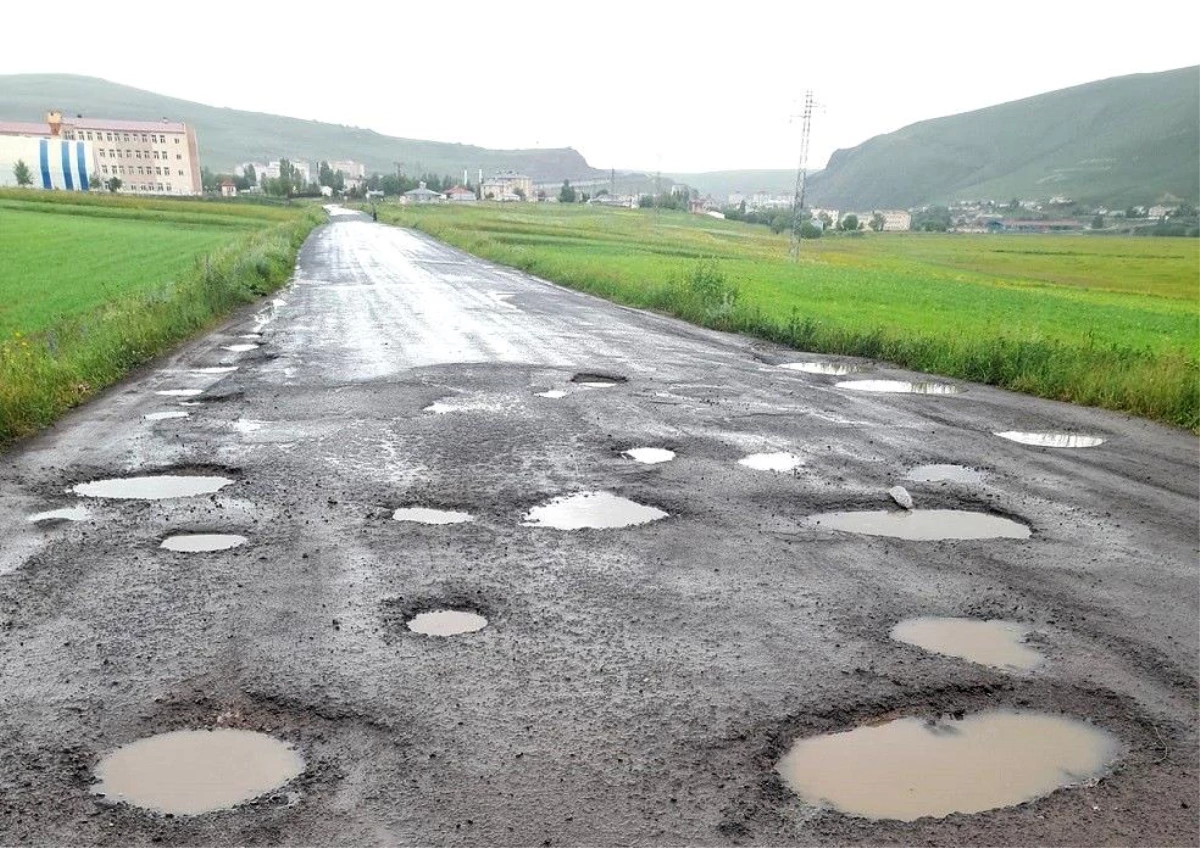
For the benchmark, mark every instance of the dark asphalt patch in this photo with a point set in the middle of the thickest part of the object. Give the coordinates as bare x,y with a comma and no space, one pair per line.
596,377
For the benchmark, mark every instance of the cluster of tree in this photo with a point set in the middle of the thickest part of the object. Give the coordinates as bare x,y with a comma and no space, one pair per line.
393,184
781,220
933,219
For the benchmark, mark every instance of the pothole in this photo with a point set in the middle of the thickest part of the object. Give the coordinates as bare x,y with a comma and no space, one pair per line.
425,515
910,768
900,386
152,487
591,510
782,461
164,416
446,622
202,542
215,369
1052,440
945,474
189,772
179,392
67,513
553,394
994,642
650,456
597,380
833,369
241,348
923,524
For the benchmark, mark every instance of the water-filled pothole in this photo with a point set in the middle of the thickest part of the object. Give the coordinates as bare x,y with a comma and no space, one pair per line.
945,473
202,542
164,416
553,394
833,369
650,456
67,513
446,622
995,643
782,461
425,515
595,510
1052,440
909,768
179,392
241,348
923,524
215,369
152,487
189,772
596,379
900,386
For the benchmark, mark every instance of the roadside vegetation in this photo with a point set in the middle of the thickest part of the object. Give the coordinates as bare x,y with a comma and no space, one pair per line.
92,286
1109,322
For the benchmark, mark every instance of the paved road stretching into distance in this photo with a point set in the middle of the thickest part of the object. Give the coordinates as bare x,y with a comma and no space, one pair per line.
633,685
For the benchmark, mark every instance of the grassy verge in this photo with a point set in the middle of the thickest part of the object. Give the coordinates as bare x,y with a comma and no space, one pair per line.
85,299
1107,322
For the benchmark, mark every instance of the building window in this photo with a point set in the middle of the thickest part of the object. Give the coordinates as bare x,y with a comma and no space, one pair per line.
108,136
168,186
158,186
101,152
181,173
178,155
126,137
177,139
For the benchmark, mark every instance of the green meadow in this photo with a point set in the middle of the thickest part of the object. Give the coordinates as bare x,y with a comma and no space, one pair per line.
1100,321
92,286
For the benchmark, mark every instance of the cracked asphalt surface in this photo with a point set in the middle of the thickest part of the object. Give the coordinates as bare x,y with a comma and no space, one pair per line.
634,686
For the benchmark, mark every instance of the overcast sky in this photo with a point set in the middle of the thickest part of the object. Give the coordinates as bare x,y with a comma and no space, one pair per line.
687,86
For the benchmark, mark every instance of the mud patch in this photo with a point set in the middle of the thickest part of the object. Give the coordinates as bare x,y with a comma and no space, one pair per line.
240,348
152,487
833,369
597,380
922,524
649,456
771,461
900,387
425,515
446,622
179,392
591,510
189,772
202,542
67,513
945,474
1052,440
996,643
909,768
165,416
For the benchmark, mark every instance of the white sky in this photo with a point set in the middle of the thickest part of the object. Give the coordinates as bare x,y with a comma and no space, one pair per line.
685,86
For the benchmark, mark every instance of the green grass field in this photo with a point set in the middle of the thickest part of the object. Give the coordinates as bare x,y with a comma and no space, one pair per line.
1111,322
91,286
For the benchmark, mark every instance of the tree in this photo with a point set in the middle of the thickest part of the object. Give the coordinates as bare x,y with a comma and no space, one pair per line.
877,222
566,194
519,192
826,220
1098,222
113,184
848,223
251,175
208,180
325,174
21,172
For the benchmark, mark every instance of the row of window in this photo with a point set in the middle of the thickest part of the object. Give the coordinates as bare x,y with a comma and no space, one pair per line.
148,187
136,154
145,170
147,138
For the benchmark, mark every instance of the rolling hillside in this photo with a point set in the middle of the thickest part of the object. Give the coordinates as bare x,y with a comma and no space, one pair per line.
1118,141
229,136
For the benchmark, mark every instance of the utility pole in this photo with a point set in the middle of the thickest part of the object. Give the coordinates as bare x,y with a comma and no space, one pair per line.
399,171
801,176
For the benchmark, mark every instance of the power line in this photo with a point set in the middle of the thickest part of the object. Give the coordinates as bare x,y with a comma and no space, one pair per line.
801,176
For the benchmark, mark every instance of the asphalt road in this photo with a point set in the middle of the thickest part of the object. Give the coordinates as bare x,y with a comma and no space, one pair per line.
633,686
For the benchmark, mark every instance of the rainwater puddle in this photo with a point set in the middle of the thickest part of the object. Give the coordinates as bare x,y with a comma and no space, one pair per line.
1052,440
251,336
156,487
597,380
247,425
194,543
446,623
424,515
215,369
67,513
596,384
833,369
923,524
900,386
910,768
439,408
995,643
770,461
945,473
240,348
650,456
188,772
553,393
596,510
163,416
179,392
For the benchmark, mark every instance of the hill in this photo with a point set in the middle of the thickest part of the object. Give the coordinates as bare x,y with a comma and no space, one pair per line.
1118,141
229,137
720,184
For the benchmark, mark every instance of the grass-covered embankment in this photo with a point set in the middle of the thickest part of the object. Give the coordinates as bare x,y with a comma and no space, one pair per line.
1109,322
91,287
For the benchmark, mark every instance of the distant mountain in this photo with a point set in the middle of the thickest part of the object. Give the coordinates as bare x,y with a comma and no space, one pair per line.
228,137
1118,141
721,184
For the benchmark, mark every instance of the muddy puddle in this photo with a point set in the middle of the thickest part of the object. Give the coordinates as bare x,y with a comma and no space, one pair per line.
945,474
596,380
179,392
649,456
446,622
1052,440
188,772
67,513
425,515
152,487
215,369
996,643
594,510
194,543
900,387
833,369
166,416
922,524
554,394
240,348
909,768
782,461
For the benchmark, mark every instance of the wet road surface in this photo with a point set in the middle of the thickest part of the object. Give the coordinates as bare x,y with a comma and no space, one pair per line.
632,685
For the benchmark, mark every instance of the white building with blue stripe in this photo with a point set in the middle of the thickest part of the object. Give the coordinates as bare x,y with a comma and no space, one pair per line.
53,163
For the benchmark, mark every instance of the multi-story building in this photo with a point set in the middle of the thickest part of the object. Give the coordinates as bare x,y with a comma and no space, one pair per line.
353,172
49,163
504,186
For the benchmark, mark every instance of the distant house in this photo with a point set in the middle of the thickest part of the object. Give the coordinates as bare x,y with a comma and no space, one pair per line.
1159,212
461,194
421,194
228,188
507,186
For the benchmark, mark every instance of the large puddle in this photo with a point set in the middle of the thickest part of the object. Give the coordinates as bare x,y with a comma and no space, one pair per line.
553,394
153,487
425,515
595,510
650,456
241,348
215,369
202,542
995,643
910,768
597,380
945,474
1052,440
446,622
923,524
179,392
67,513
164,416
771,461
833,369
188,772
900,386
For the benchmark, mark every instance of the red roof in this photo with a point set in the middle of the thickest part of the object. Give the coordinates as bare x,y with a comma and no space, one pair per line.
23,128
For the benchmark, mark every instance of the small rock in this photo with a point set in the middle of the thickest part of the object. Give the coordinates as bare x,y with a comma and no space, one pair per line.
901,496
